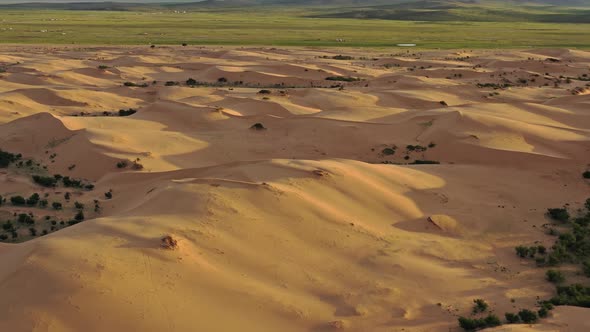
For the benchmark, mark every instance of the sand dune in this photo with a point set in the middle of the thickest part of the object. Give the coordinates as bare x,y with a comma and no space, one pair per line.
320,220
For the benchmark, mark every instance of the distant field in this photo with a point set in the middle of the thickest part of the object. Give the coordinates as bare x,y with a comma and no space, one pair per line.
291,27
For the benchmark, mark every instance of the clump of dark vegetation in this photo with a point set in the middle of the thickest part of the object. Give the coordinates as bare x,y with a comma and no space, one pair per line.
472,324
168,242
127,112
343,78
495,86
342,57
7,158
480,305
388,151
424,162
586,175
555,276
136,85
45,181
258,126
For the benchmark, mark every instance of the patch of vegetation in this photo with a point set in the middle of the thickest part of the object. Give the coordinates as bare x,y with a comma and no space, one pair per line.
480,305
45,181
137,85
127,112
7,158
473,324
343,78
555,276
258,126
424,162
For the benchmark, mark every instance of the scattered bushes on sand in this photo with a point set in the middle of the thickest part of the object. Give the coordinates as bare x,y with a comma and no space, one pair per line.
342,57
495,86
171,83
7,158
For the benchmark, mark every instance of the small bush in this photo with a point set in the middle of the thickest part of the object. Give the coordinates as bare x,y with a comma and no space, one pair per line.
78,205
555,276
18,200
7,158
480,306
472,324
33,199
512,318
528,316
342,78
56,205
258,126
586,175
127,112
79,216
25,219
122,164
388,151
559,214
45,181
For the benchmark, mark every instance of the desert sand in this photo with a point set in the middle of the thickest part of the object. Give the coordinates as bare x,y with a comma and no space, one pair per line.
310,224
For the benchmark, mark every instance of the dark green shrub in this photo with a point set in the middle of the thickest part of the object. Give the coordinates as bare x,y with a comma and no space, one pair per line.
43,203
25,219
7,158
108,194
56,205
79,216
33,231
522,251
33,199
480,306
527,316
586,175
127,112
258,126
45,181
424,162
543,313
554,276
559,214
512,318
78,205
18,200
388,151
342,78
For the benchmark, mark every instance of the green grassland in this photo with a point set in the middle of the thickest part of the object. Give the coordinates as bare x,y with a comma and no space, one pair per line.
275,26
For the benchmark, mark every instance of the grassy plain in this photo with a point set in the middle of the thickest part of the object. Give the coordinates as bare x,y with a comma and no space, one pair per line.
274,26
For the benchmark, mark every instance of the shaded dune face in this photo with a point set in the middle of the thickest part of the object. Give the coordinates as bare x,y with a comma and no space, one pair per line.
270,198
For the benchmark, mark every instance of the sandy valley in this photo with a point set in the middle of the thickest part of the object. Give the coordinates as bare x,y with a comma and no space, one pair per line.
303,189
